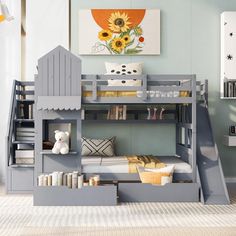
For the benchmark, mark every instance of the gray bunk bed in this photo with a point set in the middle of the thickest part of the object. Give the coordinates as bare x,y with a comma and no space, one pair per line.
59,88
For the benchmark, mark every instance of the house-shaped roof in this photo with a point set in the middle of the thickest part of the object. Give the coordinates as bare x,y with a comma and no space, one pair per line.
58,85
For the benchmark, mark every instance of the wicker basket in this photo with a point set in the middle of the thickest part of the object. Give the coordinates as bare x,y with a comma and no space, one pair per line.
151,177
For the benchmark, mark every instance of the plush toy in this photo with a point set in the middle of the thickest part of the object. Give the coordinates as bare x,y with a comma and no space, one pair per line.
61,144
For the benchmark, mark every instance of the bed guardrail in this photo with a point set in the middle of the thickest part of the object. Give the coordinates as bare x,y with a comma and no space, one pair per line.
152,88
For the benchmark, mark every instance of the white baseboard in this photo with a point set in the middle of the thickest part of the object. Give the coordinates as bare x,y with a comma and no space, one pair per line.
230,179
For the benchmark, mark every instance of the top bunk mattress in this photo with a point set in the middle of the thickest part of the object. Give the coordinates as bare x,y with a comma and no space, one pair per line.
120,164
150,93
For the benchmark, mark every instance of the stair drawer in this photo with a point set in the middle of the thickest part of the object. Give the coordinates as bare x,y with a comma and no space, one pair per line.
22,179
174,192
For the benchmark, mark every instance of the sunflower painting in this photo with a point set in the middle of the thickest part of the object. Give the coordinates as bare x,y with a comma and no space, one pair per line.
119,32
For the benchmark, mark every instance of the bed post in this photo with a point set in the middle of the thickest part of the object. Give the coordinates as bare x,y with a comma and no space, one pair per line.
194,127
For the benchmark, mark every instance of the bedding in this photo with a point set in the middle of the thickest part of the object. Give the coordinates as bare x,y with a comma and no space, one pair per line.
134,68
111,94
150,94
144,161
123,69
120,164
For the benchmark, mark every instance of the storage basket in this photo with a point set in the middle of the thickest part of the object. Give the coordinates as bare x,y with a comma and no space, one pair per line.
148,176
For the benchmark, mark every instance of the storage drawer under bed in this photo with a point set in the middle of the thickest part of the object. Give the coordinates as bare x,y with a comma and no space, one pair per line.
102,195
174,192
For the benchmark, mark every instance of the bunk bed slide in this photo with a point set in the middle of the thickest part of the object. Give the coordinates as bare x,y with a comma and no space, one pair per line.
214,190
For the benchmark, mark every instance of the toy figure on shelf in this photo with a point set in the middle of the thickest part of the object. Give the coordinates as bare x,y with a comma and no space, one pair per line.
61,145
149,113
161,113
154,116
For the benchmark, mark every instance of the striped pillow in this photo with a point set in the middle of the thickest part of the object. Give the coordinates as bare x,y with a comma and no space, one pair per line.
98,147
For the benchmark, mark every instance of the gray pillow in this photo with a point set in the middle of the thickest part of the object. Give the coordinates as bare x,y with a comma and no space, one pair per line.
98,147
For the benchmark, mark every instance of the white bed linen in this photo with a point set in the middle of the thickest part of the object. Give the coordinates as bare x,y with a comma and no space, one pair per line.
119,164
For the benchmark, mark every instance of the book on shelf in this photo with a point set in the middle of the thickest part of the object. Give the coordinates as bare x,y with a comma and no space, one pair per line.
31,111
29,97
24,153
25,134
70,180
117,112
230,88
21,138
25,129
25,146
25,111
24,160
60,178
24,156
124,112
112,113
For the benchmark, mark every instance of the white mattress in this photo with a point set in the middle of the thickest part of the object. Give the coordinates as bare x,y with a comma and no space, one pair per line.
119,164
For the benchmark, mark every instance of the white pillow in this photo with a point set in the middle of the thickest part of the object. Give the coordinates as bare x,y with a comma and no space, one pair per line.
166,169
123,69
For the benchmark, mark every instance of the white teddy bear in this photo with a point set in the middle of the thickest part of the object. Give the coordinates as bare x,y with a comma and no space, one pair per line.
61,144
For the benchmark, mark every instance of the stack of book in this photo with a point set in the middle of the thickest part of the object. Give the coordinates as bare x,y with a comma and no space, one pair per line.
117,112
71,180
25,134
24,156
230,89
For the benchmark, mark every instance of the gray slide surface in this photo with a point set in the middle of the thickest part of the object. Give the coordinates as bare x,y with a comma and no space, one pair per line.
214,190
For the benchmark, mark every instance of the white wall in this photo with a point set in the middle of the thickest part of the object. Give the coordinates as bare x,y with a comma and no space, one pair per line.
10,69
47,26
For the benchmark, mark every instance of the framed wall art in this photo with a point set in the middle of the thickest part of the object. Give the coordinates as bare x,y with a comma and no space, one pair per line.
119,32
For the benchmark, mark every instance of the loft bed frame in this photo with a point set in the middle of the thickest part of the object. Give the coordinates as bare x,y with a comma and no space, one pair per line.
59,88
160,83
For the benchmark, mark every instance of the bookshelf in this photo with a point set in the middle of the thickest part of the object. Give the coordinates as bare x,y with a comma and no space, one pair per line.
228,66
130,114
20,139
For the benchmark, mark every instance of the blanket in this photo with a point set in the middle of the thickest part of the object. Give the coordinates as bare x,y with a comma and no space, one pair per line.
144,161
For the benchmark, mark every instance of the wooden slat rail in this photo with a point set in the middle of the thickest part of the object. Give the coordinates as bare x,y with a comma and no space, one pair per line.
162,83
